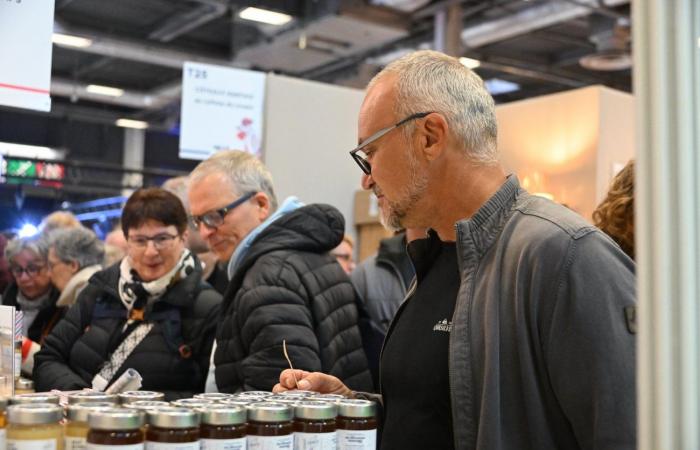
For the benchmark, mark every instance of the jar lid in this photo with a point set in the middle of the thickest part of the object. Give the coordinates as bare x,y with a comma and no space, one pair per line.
315,410
237,402
269,412
133,396
254,394
357,408
173,418
24,384
116,419
193,403
224,415
287,399
79,412
299,392
214,396
39,397
92,397
34,414
147,405
333,398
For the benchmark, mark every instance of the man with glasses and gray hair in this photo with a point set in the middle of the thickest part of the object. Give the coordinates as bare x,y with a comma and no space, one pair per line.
519,333
284,284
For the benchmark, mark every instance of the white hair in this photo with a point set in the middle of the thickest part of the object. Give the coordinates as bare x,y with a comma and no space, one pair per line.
430,81
77,244
244,172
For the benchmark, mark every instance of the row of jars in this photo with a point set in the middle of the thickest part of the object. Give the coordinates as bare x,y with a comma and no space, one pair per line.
142,420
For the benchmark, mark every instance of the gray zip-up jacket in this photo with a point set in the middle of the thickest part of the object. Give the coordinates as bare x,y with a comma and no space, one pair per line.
542,350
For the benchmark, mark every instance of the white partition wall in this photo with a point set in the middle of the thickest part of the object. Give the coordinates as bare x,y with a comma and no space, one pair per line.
309,129
667,85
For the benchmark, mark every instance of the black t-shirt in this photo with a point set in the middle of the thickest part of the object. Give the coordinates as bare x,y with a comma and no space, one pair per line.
414,367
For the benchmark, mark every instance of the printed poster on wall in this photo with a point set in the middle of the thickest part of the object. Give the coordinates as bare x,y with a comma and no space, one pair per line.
26,27
222,109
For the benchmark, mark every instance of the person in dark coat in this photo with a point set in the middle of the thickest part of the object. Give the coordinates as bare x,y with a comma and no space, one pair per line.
285,285
151,312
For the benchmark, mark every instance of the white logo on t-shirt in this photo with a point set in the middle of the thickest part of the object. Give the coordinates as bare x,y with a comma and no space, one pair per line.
443,325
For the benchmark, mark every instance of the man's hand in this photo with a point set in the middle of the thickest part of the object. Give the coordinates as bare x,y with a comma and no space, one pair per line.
311,381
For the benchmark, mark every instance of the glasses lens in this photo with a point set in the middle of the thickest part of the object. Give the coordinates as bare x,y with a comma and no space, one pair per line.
212,219
163,241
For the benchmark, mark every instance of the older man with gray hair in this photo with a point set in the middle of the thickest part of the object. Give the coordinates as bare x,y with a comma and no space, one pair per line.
285,285
519,334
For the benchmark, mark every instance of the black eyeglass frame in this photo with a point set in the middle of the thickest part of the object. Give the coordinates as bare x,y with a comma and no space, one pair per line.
362,162
195,221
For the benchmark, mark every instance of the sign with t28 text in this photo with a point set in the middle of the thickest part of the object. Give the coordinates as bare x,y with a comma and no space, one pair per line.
26,27
222,109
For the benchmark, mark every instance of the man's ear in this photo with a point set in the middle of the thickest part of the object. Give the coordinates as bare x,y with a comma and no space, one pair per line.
433,134
262,203
74,266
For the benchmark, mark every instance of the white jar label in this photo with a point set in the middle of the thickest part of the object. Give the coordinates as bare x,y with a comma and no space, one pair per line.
357,439
150,445
3,438
315,441
270,442
39,444
75,443
114,447
223,444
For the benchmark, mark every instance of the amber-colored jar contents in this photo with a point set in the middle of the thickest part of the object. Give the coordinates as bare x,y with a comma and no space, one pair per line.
270,424
76,431
223,428
92,397
171,428
118,428
314,425
32,425
39,397
357,425
134,396
3,422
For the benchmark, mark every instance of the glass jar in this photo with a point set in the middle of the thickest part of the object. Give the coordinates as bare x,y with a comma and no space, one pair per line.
3,423
314,425
270,425
34,426
92,397
173,429
76,431
223,428
24,386
38,397
118,429
134,396
357,425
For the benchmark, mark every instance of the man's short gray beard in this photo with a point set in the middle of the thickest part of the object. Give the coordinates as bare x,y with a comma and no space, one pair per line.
394,214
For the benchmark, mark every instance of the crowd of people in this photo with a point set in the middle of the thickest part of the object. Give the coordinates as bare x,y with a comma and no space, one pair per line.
492,319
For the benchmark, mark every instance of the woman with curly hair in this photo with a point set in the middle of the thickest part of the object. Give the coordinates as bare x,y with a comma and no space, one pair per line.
615,214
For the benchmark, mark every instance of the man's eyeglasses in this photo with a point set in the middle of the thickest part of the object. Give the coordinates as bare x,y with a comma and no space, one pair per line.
30,270
361,158
160,241
215,217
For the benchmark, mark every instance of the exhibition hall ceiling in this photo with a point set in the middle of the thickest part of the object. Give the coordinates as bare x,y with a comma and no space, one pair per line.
524,48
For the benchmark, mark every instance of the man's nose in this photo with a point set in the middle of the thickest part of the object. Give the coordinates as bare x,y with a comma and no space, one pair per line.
367,182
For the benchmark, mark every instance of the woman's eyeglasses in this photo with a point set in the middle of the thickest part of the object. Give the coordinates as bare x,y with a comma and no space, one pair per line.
160,241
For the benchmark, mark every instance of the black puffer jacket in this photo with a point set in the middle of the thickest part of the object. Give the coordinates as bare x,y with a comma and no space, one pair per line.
289,287
185,318
45,320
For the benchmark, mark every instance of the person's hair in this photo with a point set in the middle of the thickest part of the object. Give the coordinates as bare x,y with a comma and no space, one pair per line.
77,244
153,203
615,214
244,172
35,244
58,219
430,81
178,186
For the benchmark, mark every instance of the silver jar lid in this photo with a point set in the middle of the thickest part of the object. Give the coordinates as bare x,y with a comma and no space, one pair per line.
34,414
147,405
269,412
116,419
92,397
214,396
24,384
134,396
357,408
311,410
298,392
173,418
193,403
79,412
254,394
41,397
224,415
287,399
237,402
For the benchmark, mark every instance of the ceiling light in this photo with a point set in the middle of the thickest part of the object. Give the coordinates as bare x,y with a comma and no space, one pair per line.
129,123
104,90
264,16
496,86
70,41
30,151
470,63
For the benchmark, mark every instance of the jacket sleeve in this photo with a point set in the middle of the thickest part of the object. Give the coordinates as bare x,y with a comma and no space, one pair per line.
276,309
210,300
51,368
590,347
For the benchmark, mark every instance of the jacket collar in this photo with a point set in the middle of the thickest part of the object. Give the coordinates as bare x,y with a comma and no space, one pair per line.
76,284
